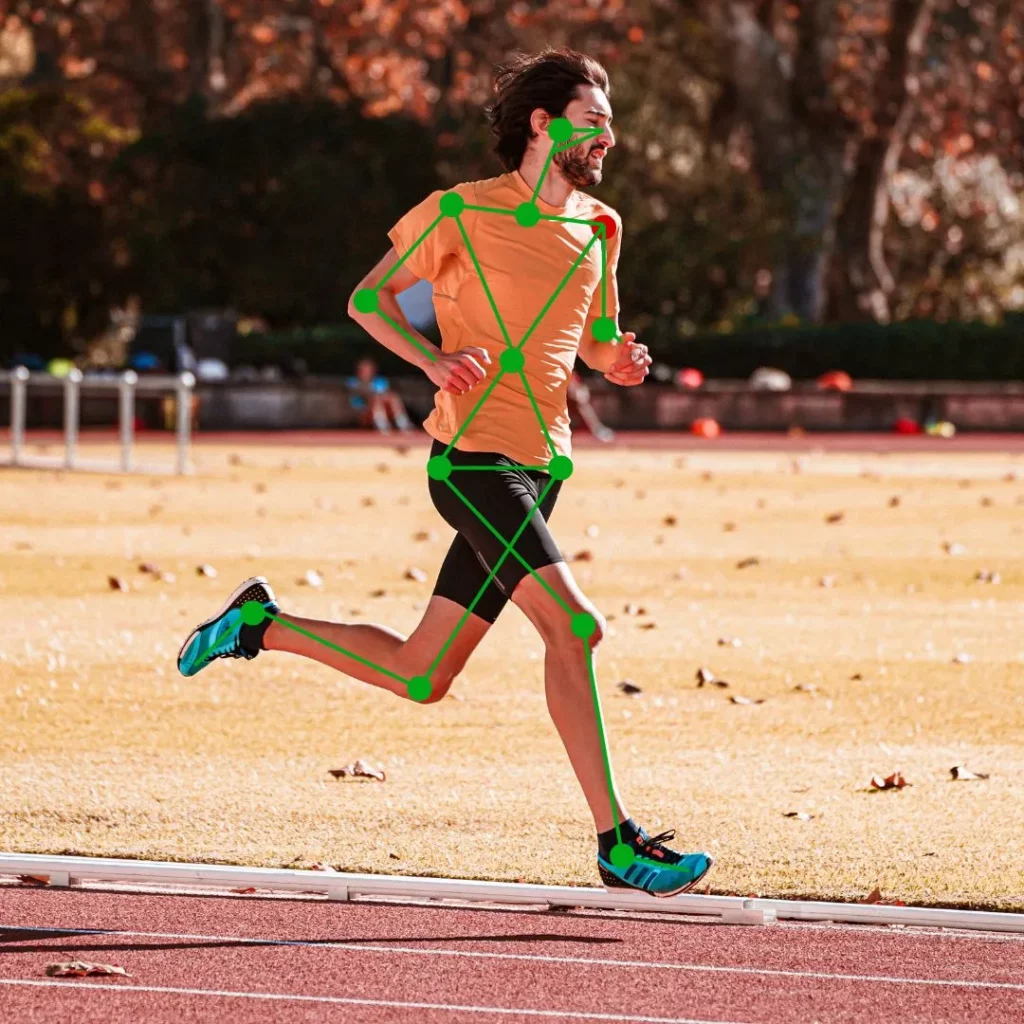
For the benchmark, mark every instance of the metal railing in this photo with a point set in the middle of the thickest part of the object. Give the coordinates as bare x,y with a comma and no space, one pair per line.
127,384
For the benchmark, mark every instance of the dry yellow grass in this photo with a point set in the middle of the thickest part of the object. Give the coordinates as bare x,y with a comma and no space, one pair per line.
105,750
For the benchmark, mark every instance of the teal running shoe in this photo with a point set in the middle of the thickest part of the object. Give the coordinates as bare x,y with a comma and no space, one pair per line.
226,635
655,868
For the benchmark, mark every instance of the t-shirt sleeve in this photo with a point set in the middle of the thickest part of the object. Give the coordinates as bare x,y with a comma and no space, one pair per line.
425,238
613,247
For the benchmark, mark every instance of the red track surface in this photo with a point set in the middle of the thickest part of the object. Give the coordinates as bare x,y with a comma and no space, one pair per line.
639,440
233,960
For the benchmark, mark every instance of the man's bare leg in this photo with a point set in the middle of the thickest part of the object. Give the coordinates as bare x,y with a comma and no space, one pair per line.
567,684
404,656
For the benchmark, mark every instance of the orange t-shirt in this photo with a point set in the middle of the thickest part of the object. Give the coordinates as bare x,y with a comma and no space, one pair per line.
523,268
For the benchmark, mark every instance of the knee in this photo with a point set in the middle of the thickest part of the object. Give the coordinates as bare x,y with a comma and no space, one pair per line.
580,623
440,683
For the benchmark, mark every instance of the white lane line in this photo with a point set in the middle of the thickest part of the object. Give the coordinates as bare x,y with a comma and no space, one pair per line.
530,958
352,1001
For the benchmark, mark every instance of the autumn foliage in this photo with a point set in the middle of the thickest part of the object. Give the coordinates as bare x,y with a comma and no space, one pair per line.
778,160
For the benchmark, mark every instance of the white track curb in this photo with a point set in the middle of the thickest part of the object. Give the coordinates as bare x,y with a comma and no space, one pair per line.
69,871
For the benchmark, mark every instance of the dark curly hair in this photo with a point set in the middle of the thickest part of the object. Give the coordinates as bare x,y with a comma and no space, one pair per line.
547,80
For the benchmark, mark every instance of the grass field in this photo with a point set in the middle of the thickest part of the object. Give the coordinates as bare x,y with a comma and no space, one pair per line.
105,750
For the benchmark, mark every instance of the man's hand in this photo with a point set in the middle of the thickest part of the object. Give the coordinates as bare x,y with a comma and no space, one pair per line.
459,372
633,363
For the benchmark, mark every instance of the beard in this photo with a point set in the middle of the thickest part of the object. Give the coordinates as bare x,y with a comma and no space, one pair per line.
576,167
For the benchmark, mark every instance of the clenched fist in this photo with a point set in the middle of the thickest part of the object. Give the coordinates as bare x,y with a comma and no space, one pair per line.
459,372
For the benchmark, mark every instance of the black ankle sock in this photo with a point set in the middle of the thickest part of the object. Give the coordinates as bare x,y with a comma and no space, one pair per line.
251,637
606,840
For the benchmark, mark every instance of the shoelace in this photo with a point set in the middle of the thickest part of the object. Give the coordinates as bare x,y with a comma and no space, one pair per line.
656,843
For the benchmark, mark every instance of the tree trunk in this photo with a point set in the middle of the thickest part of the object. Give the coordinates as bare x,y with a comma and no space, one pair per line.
862,282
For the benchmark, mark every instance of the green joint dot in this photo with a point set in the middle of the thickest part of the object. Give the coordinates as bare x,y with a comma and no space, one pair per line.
583,625
253,613
560,467
604,328
512,360
420,688
367,300
452,204
560,130
439,467
527,214
622,855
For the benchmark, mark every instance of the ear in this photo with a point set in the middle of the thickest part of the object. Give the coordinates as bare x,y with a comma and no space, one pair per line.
539,121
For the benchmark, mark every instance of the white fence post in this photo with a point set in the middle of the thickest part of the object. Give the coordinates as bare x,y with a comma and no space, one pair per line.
19,385
71,412
183,409
126,387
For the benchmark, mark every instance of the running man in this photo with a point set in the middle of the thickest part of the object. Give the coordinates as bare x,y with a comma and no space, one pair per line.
523,265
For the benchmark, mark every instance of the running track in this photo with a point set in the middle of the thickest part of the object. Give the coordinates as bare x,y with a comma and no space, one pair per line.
228,959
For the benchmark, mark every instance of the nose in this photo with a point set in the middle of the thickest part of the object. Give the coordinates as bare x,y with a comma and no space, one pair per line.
607,137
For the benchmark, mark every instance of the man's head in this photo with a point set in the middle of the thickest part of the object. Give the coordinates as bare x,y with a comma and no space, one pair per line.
366,370
532,90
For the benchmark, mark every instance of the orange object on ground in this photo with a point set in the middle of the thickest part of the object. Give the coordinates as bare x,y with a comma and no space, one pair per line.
706,427
835,380
689,378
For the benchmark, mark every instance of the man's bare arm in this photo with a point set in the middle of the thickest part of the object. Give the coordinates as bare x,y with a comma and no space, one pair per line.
457,372
378,328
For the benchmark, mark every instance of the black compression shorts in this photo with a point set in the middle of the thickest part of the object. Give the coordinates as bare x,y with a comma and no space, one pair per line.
504,496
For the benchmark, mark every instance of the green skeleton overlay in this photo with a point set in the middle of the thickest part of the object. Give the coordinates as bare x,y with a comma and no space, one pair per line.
563,135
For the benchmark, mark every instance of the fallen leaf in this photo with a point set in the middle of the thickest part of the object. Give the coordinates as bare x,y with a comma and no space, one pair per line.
799,815
962,774
747,563
234,460
647,625
82,969
319,866
592,530
729,527
116,583
835,517
894,781
962,658
670,521
359,770
985,502
149,567
394,856
628,687
311,578
894,501
737,699
987,576
383,467
206,570
379,592
806,688
875,897
367,502
245,892
828,582
260,488
34,880
583,556
730,641
415,574
424,535
953,548
633,609
856,677
705,675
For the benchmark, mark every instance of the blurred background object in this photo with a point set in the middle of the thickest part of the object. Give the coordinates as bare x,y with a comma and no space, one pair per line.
827,188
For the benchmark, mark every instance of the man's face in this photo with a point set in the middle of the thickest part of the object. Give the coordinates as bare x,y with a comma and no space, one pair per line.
366,369
581,165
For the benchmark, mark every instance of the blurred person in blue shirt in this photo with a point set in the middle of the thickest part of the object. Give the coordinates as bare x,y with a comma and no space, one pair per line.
376,403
